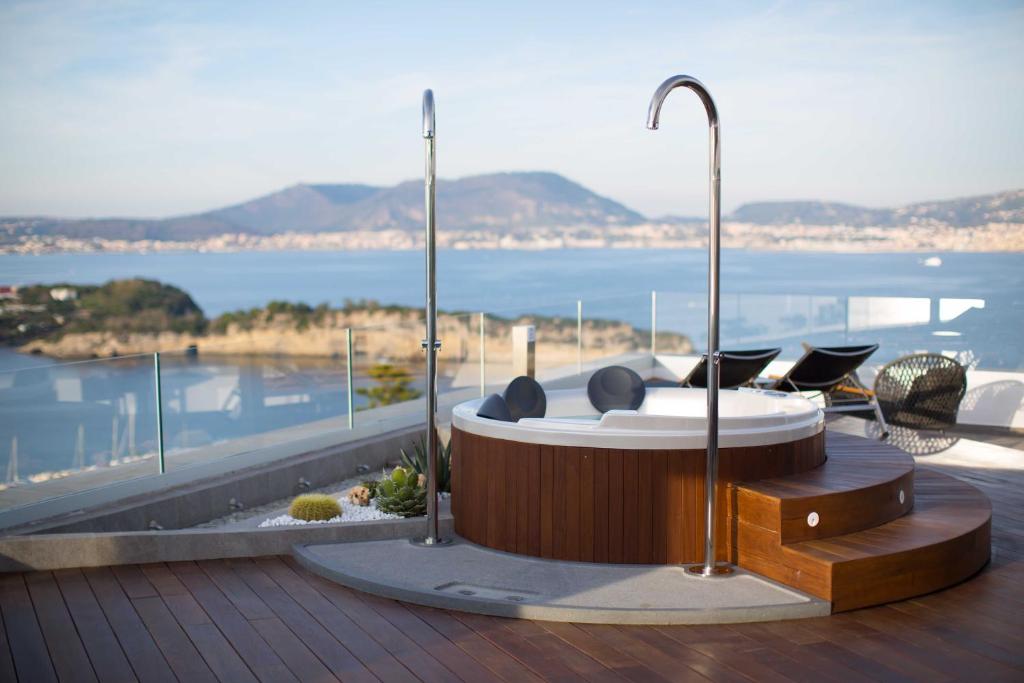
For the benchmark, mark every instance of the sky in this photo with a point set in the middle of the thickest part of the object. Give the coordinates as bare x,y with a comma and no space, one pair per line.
155,109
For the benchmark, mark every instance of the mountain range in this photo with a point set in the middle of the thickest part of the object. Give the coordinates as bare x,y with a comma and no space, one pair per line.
500,202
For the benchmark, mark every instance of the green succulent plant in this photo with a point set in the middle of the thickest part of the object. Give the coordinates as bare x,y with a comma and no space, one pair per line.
402,493
372,485
418,462
314,507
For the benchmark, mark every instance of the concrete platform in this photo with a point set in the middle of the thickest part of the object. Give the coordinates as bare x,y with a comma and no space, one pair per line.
470,578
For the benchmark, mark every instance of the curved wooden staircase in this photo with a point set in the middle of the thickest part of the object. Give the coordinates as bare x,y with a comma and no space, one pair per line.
864,528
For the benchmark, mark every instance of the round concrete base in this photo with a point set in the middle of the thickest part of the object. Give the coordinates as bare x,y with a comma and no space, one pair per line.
463,576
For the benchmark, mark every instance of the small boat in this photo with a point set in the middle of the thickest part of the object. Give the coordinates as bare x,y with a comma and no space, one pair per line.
932,262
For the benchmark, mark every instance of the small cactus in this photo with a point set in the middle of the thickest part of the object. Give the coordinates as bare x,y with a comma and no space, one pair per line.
402,493
314,507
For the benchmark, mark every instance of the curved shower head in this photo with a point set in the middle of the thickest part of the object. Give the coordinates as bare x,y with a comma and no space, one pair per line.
428,113
681,81
714,257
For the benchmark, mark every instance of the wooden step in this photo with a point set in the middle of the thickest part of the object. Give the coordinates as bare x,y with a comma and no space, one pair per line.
863,484
942,541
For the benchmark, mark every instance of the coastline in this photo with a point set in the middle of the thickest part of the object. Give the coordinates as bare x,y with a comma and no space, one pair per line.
376,335
918,238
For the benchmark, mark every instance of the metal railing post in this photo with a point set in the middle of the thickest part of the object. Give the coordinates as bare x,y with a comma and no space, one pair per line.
654,323
348,379
579,336
161,463
483,358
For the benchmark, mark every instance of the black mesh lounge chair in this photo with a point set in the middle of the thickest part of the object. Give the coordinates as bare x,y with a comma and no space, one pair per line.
736,369
921,391
616,388
832,371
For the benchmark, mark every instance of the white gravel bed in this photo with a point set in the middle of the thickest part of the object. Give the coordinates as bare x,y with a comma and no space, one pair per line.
349,513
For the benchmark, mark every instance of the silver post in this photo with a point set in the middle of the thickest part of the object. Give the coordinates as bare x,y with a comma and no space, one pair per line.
579,336
161,463
715,179
654,324
431,342
483,358
348,379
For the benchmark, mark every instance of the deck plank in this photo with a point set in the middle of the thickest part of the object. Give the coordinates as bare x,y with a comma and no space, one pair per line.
28,647
525,652
430,640
380,629
222,659
334,638
183,657
70,661
104,650
293,652
253,649
486,653
143,654
239,620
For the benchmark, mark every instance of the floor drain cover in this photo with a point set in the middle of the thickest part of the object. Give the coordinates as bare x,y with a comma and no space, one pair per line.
488,592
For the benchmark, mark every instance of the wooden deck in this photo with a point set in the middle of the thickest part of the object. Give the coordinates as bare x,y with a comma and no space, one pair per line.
269,620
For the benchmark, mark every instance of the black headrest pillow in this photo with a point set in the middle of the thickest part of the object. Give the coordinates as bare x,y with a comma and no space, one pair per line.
616,388
494,408
525,398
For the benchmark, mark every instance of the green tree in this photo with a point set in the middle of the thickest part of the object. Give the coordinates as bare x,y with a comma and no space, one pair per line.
393,385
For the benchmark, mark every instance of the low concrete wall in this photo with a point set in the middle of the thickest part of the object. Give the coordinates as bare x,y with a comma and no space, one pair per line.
64,551
200,500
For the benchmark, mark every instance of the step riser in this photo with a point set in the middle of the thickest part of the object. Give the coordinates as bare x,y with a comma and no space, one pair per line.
847,512
790,570
868,547
866,583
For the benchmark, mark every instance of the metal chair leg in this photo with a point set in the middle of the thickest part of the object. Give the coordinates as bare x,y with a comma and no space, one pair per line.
881,420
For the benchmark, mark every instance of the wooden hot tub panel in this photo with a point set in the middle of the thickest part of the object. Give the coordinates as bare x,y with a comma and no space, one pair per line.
602,504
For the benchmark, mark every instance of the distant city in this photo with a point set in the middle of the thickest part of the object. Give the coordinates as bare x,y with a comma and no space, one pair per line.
525,211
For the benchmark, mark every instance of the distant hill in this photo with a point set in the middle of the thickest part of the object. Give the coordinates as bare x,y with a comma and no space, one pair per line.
502,202
1005,207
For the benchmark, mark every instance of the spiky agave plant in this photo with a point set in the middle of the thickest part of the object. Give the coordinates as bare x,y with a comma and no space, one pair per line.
418,462
402,493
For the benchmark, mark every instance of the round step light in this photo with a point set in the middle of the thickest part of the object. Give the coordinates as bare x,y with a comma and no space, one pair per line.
813,519
903,497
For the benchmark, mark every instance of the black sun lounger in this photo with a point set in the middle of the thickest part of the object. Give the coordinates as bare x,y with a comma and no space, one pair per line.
832,371
736,368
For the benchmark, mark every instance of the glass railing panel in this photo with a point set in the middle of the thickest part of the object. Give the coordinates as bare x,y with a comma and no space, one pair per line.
556,349
217,402
389,373
681,322
971,330
458,361
68,427
618,328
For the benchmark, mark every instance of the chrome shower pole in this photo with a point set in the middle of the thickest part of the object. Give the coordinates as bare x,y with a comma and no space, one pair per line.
431,344
653,114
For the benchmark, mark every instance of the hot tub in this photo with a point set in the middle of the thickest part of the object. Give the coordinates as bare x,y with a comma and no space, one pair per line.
625,486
